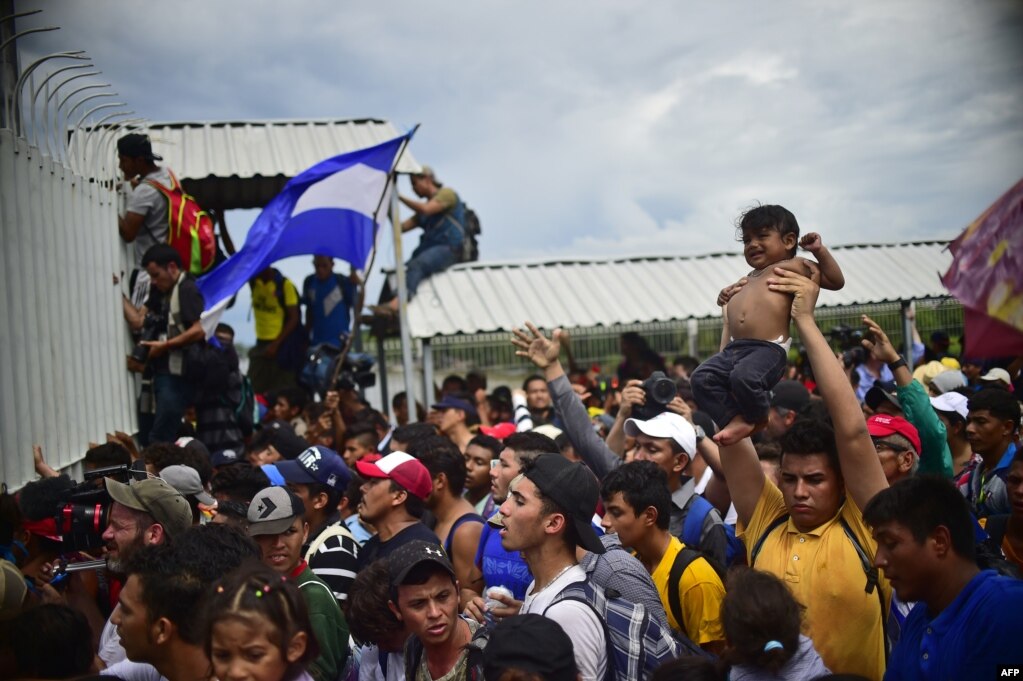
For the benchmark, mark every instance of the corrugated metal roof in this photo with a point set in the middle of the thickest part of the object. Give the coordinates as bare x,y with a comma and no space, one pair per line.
496,296
243,164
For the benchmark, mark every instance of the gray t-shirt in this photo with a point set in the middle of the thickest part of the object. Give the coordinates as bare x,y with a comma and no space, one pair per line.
147,201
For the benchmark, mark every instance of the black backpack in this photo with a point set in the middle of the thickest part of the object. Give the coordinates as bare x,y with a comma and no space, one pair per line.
470,234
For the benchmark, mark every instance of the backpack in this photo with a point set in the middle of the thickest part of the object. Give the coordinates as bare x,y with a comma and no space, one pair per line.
291,355
207,366
866,562
190,228
681,562
697,511
470,232
246,412
636,644
989,550
474,663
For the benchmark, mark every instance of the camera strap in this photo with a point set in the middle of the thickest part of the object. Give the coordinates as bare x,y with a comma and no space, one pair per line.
175,358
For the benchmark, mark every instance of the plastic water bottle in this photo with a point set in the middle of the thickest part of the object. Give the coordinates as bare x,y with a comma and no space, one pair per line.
492,602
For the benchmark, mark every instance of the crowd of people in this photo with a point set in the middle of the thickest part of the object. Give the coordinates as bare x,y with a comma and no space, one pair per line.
739,518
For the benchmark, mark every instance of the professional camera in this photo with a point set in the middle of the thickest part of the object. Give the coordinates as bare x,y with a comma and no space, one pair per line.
152,326
356,370
83,513
848,341
660,390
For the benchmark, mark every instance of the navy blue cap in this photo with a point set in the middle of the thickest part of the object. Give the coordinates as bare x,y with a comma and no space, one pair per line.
224,457
316,464
452,402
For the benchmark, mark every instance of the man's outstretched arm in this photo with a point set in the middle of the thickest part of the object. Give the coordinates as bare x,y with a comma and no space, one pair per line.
861,467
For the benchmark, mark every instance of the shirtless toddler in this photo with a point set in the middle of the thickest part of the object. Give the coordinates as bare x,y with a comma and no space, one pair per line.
733,386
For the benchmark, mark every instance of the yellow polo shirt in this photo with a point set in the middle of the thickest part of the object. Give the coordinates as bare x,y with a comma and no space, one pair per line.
824,573
267,309
700,593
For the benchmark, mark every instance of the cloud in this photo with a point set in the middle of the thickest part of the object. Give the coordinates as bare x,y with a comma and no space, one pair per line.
604,128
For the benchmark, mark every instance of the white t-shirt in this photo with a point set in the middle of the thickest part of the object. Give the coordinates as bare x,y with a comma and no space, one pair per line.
110,650
587,631
133,671
732,516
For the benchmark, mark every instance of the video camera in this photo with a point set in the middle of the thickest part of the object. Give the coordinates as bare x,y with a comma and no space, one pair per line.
848,340
83,513
153,325
660,390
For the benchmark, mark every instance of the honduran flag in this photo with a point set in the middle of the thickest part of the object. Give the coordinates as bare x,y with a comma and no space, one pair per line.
333,208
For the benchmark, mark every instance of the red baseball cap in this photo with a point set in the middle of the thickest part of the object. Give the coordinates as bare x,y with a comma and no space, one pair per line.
881,425
499,431
402,468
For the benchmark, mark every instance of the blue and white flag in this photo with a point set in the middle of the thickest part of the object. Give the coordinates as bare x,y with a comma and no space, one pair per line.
333,208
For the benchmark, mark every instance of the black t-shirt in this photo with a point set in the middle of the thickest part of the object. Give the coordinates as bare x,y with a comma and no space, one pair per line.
192,306
374,549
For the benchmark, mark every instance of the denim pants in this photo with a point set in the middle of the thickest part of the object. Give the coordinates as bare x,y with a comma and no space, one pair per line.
738,380
172,395
425,263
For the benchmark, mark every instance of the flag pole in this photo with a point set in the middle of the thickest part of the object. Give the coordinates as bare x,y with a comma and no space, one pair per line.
406,341
392,183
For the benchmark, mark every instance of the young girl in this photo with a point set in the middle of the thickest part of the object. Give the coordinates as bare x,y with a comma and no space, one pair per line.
257,628
762,622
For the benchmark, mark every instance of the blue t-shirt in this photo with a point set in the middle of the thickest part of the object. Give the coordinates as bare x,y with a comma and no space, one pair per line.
980,630
500,567
328,302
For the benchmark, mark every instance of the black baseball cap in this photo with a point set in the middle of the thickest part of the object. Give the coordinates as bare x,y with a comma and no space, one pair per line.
572,487
413,553
791,395
137,146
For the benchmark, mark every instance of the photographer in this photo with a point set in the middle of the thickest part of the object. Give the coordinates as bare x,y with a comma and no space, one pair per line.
863,368
667,438
168,322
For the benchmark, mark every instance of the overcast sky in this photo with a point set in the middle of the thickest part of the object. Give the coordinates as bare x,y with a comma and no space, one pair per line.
611,128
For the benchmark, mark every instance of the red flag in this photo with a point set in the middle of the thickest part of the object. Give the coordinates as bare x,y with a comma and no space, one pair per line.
986,276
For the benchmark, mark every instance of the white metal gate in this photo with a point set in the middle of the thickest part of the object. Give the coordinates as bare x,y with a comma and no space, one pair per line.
63,340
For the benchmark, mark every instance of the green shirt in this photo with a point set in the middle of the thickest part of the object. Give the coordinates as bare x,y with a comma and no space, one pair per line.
328,624
935,456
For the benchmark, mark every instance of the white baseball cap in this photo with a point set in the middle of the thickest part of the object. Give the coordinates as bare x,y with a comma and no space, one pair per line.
952,402
665,425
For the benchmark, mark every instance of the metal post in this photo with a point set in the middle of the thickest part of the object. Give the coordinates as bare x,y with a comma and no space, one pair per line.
907,333
693,331
382,372
427,372
406,341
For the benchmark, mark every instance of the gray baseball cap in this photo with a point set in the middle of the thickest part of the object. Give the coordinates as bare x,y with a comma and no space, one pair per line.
185,480
273,510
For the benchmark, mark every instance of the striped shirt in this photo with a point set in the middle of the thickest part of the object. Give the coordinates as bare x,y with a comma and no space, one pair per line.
332,556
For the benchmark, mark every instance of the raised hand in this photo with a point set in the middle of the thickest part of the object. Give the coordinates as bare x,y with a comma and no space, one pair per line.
804,291
811,241
539,349
877,342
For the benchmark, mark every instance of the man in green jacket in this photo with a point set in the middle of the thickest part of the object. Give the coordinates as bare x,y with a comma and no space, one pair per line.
277,523
914,403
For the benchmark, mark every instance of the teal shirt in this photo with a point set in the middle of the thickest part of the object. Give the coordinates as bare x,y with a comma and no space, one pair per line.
935,456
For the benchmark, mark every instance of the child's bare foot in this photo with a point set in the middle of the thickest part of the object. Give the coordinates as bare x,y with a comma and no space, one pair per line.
737,429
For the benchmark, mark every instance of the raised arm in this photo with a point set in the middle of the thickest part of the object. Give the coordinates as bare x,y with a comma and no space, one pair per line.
861,467
831,274
543,352
935,456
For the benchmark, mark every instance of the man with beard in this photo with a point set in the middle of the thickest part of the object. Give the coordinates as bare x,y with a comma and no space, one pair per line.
143,513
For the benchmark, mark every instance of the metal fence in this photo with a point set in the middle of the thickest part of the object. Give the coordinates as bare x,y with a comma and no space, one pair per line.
493,354
63,341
